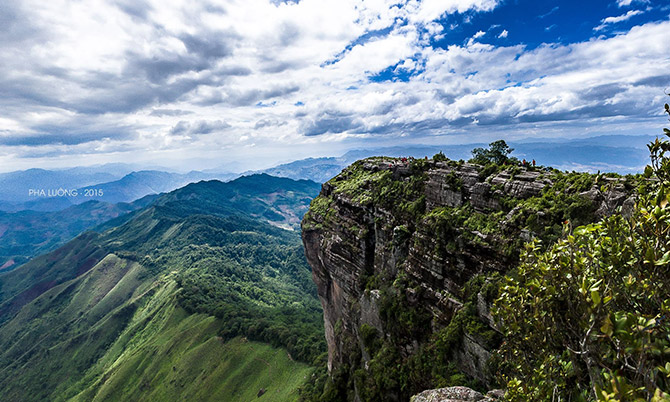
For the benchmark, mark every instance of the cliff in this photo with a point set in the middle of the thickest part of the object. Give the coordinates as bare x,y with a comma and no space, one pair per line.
402,252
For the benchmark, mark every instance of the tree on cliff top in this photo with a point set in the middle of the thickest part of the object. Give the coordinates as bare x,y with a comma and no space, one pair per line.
497,152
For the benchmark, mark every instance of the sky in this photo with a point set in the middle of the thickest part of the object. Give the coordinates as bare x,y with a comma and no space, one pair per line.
250,83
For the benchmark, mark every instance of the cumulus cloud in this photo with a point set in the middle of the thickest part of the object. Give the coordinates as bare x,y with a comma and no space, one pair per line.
201,127
177,77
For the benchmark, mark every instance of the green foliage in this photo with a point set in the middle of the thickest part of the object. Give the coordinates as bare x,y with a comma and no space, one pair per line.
588,318
454,182
440,157
590,308
370,337
489,170
177,356
391,372
418,166
497,153
257,282
356,182
27,234
545,214
404,198
394,369
151,309
320,210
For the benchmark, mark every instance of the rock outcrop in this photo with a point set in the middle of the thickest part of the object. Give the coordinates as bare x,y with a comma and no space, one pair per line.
456,394
418,231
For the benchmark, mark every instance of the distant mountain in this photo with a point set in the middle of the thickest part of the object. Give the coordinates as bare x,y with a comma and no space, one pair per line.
612,153
323,169
279,201
16,186
44,190
621,154
25,234
141,183
170,304
315,169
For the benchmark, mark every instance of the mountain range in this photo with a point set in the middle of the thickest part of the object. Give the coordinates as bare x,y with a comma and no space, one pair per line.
621,154
125,183
25,234
197,295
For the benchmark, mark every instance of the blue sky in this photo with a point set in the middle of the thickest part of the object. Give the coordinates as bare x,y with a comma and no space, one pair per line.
201,84
533,23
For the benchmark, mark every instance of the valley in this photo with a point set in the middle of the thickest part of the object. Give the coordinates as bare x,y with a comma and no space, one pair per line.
162,304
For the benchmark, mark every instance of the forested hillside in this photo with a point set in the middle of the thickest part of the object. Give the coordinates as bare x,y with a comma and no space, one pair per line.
26,234
169,303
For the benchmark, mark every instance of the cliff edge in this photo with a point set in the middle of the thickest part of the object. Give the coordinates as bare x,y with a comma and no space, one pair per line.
402,252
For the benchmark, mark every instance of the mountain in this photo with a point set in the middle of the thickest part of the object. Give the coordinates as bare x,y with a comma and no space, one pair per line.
16,185
195,296
614,153
405,254
321,170
45,190
621,154
315,169
25,234
279,201
141,183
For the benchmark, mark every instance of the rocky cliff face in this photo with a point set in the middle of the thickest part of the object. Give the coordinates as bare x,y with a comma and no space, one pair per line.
400,249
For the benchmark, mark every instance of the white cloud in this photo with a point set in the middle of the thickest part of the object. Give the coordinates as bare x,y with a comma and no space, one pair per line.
430,10
183,79
626,3
619,18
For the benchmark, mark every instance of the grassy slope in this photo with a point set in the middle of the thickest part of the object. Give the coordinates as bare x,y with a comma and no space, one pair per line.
103,326
179,356
138,344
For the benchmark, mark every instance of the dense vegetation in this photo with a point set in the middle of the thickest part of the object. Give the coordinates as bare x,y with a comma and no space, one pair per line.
167,304
259,285
558,368
26,234
497,153
588,318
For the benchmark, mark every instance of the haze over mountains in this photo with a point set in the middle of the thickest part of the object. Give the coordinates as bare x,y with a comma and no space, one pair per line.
26,234
621,154
50,190
126,183
47,222
158,304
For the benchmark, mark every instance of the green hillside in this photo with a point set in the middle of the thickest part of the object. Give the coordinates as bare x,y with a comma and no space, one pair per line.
167,305
26,234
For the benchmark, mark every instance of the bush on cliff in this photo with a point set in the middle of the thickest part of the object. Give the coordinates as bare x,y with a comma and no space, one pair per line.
590,317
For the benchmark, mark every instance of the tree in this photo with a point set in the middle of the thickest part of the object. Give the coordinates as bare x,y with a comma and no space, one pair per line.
497,152
440,157
590,317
